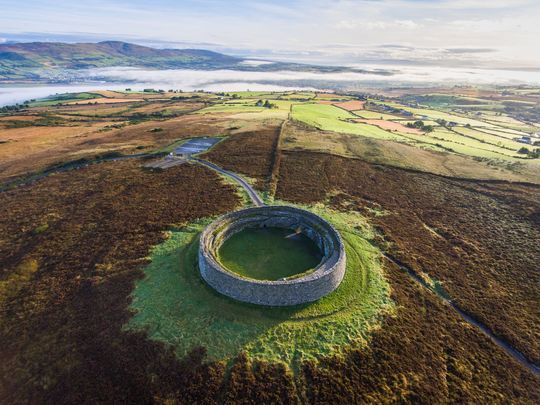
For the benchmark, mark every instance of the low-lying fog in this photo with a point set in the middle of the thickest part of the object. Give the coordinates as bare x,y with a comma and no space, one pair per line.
231,80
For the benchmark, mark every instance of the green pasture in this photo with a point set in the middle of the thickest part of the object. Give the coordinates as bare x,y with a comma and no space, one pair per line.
507,122
329,118
450,141
333,97
64,98
492,139
436,114
506,132
376,115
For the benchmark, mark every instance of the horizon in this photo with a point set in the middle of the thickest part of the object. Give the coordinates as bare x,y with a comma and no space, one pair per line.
464,33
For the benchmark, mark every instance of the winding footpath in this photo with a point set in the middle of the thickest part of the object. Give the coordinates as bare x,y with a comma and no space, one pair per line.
507,347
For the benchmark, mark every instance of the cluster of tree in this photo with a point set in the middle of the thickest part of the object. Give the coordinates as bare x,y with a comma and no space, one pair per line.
185,97
420,125
446,124
11,108
265,104
153,91
534,154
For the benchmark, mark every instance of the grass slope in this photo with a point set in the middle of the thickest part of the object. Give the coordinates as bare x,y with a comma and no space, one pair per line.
175,306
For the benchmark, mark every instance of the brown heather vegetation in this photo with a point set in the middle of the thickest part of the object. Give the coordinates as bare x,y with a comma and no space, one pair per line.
71,261
33,148
72,246
250,153
481,240
424,355
125,109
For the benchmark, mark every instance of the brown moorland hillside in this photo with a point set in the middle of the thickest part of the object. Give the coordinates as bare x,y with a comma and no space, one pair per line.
73,244
481,243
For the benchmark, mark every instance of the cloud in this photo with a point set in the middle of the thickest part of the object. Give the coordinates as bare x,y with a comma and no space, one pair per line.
297,28
479,4
227,80
377,25
470,50
406,24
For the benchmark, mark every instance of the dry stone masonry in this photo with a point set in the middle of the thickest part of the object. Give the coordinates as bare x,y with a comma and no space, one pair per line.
304,288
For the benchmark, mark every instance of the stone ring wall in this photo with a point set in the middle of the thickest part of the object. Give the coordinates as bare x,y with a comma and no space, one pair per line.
306,287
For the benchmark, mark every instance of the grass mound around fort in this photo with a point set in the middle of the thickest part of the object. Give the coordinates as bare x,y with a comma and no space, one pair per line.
174,305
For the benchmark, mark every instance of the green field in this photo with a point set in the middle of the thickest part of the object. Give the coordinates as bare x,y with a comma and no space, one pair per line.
269,253
436,114
375,115
453,142
493,139
297,95
329,118
174,305
64,98
483,140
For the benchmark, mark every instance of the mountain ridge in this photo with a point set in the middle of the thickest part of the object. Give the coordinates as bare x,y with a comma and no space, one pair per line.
46,61
103,54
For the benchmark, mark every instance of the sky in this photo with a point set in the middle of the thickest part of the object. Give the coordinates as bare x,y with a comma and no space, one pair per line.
475,33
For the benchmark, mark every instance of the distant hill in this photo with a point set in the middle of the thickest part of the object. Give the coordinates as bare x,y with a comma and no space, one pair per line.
53,61
23,58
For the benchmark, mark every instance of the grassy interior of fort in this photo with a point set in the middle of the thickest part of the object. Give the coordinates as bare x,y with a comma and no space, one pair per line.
175,305
269,253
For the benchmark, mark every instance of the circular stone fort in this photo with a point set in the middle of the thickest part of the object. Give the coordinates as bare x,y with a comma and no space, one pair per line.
306,286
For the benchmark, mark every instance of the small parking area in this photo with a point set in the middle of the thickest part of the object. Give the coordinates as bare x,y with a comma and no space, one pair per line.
196,145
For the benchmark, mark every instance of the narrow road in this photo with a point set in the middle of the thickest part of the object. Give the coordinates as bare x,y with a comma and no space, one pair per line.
507,347
251,192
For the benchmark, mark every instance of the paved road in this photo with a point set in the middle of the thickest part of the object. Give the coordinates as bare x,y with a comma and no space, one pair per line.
251,192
